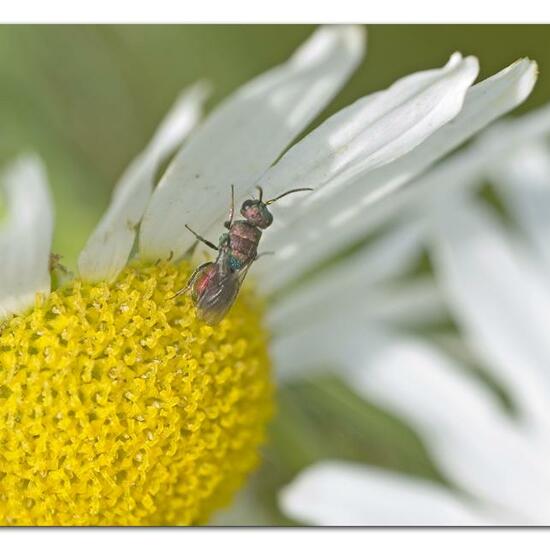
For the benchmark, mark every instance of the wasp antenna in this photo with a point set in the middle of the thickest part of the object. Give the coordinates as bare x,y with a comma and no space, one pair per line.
229,222
271,201
261,192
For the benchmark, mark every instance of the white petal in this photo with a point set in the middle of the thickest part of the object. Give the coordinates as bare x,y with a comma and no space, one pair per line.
182,118
524,181
342,493
414,303
500,300
109,246
473,442
375,129
345,286
332,339
26,236
310,235
243,137
519,131
324,344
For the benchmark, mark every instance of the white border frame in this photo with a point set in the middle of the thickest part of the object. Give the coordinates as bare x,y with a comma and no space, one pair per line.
274,11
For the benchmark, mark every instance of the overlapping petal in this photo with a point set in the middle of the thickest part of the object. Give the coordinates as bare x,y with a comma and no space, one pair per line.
345,286
475,444
326,344
524,181
501,300
316,228
375,129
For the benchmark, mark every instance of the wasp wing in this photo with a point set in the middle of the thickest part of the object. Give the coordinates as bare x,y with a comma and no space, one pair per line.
220,295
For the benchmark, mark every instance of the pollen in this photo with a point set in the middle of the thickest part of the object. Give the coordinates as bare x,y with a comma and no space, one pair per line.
119,407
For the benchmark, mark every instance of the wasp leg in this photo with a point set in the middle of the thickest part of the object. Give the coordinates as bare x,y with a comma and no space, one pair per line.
202,239
229,222
185,289
190,283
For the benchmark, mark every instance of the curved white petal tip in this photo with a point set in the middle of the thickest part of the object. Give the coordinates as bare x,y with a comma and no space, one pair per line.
351,37
530,72
181,119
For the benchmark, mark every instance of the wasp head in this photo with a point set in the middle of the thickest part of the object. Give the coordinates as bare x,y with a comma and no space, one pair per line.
256,213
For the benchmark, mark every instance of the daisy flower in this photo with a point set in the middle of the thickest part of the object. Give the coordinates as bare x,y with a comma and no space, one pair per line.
117,405
488,435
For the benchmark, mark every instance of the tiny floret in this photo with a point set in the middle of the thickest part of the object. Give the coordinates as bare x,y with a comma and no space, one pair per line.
119,407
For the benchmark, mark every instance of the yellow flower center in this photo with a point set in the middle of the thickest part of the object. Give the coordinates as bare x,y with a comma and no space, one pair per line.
118,407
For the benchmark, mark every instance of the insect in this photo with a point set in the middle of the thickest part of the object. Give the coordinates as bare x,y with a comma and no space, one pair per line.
214,285
58,272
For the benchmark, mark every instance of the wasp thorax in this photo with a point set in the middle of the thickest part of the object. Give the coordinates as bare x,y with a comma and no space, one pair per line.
256,213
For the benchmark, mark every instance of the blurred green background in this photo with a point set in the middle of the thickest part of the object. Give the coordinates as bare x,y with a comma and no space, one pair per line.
87,99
